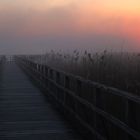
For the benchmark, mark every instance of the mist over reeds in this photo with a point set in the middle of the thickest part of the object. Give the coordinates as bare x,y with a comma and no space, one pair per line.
119,70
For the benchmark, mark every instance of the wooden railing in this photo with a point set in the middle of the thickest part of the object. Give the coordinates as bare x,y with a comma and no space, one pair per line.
107,113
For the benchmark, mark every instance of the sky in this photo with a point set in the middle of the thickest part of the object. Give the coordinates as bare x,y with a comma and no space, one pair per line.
35,26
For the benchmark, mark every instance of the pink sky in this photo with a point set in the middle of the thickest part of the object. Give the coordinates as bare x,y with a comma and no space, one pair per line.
40,24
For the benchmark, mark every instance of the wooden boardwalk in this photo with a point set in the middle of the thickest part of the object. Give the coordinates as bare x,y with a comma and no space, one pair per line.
25,114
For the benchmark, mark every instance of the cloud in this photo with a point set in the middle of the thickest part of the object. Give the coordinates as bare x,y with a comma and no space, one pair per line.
36,24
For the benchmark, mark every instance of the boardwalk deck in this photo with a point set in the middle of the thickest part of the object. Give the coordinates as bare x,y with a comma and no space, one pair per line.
24,112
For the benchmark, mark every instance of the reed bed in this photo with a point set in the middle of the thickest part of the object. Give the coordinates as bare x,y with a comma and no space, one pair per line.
118,70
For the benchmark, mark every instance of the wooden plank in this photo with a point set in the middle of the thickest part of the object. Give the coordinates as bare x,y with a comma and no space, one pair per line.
111,121
25,113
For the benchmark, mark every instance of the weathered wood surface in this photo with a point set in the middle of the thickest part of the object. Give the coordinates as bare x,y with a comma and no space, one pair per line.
25,114
107,113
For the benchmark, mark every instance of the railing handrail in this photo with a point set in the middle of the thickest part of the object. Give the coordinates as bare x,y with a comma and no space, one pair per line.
113,90
115,120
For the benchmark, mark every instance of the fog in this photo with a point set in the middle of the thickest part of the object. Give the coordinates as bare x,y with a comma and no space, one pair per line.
30,27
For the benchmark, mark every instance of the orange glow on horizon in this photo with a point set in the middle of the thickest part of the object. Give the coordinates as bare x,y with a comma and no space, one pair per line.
56,17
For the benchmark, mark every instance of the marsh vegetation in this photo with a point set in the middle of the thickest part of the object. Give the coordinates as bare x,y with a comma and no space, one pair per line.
119,70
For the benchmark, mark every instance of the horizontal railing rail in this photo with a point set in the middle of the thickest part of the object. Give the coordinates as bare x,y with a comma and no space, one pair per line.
106,112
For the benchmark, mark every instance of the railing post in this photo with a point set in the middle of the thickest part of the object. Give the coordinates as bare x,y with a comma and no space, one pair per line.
112,114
